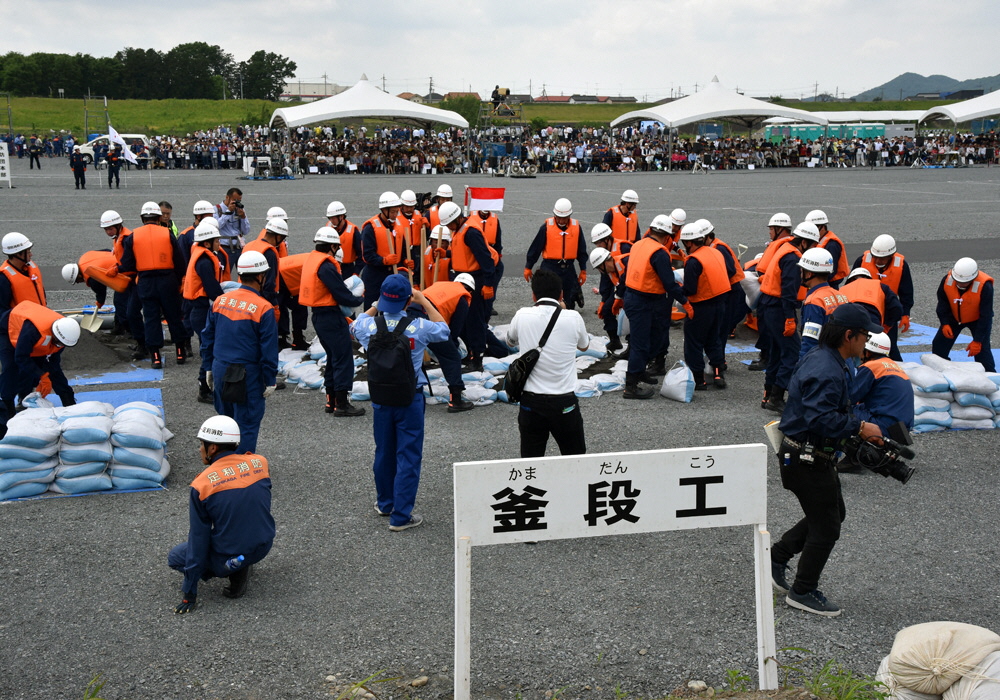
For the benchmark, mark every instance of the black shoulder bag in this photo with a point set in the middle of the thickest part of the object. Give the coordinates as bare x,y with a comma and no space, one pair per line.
520,368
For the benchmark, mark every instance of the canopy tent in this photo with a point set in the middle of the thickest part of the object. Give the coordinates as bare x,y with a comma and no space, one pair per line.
881,116
364,100
978,107
716,103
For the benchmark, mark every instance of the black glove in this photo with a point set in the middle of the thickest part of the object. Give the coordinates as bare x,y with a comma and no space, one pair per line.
189,602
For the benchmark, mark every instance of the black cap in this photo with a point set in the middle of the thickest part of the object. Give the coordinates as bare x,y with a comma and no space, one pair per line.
854,316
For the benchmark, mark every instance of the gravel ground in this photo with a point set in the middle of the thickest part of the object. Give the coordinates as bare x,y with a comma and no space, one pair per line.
87,589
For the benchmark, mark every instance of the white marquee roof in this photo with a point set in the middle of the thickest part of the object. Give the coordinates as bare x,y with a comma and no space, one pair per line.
879,116
364,100
716,102
987,105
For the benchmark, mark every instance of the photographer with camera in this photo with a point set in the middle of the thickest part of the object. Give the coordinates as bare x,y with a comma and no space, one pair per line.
817,420
233,224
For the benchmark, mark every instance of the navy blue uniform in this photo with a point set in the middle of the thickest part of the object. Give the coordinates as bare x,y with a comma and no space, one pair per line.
981,328
159,292
333,332
772,312
564,268
22,372
883,393
703,334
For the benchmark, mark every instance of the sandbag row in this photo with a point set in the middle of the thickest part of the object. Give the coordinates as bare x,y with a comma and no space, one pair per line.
953,395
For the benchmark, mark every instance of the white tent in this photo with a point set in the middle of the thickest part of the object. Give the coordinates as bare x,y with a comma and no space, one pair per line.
875,116
716,103
364,100
986,105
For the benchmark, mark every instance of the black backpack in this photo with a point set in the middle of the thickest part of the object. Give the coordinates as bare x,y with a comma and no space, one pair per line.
391,379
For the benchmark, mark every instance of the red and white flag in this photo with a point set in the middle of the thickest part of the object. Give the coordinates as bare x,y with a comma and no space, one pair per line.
116,138
484,198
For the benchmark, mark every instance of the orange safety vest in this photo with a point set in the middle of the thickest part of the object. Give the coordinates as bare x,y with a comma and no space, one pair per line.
840,268
387,243
462,259
42,318
769,252
153,246
487,226
193,288
94,264
436,269
446,295
233,471
282,247
118,249
965,305
641,276
559,244
347,241
739,274
826,298
433,216
241,305
862,290
290,269
261,246
312,291
624,228
893,273
770,283
713,281
412,226
884,367
24,286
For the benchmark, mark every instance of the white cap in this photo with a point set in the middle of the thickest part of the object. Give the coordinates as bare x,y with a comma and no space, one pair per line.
599,232
66,331
150,209
251,262
817,260
466,279
441,233
808,231
278,227
630,196
110,218
883,246
818,217
780,219
965,270
221,430
678,217
444,191
14,242
206,232
335,209
325,234
202,207
448,212
408,198
70,272
563,207
878,343
599,256
388,200
276,213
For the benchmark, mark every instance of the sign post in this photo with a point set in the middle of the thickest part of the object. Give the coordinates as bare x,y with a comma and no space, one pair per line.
522,500
5,166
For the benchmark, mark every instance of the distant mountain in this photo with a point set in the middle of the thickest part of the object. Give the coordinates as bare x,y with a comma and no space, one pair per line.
909,84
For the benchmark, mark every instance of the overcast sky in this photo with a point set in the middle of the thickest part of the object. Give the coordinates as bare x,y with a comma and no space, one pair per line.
649,49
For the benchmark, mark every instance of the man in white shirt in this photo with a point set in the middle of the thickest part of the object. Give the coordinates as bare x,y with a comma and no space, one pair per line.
549,405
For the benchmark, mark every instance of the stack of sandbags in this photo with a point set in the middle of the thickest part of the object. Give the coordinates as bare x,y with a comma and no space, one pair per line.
932,398
84,448
139,440
972,392
28,453
929,660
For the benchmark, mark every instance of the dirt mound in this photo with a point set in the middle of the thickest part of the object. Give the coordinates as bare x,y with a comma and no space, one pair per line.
95,354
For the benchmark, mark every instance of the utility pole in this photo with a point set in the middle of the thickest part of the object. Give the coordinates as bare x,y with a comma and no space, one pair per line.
430,89
383,82
324,84
529,87
241,84
10,115
815,91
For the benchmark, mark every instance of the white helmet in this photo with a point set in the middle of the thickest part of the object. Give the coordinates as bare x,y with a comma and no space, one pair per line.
448,212
110,218
444,191
206,232
221,430
883,246
808,231
695,230
335,209
630,196
15,242
326,235
678,217
202,207
661,222
441,233
66,331
388,200
466,279
781,220
598,256
818,217
859,272
563,207
339,257
706,225
965,270
70,272
879,344
276,213
279,227
251,263
817,260
408,198
150,209
211,221
599,232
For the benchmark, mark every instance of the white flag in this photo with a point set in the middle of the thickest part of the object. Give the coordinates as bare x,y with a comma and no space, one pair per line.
115,137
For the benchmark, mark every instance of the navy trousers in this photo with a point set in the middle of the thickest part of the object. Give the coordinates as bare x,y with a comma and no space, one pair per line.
331,328
399,449
702,336
649,325
782,352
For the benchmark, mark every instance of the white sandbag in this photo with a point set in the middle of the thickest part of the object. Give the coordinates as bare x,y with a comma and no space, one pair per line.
78,454
587,389
623,325
36,400
31,488
31,432
82,484
967,398
584,361
25,465
608,382
289,358
994,399
678,384
439,396
922,405
71,471
948,396
29,454
750,284
928,379
503,397
476,377
122,483
359,392
294,373
84,429
941,418
927,428
127,471
356,286
84,409
941,364
894,689
598,348
497,365
167,435
981,683
994,377
974,382
229,285
963,424
961,412
139,457
138,429
316,349
931,656
310,376
10,479
620,366
138,406
479,395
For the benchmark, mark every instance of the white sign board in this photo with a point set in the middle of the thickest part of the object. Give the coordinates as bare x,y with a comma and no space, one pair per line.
531,500
4,165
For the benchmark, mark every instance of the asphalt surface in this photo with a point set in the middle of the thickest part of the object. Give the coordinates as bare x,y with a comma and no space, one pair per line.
87,590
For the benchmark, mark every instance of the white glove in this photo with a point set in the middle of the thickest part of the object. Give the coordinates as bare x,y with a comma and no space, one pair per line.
210,381
269,390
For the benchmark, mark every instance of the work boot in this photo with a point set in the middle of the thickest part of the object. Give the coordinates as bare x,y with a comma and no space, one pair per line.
759,364
330,404
658,366
473,363
299,341
615,343
181,354
767,396
720,378
283,343
776,401
237,587
647,378
342,407
633,390
157,358
624,355
140,352
204,393
699,381
457,404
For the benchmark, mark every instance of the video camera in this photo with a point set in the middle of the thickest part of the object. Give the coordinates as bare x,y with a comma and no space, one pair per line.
885,459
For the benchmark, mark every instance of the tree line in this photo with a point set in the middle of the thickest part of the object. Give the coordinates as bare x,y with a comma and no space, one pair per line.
188,71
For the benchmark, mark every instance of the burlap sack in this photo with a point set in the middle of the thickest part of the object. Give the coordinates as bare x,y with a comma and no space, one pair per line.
931,656
981,683
894,689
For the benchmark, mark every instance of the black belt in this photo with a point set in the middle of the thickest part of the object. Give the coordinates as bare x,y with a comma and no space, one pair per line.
560,263
809,449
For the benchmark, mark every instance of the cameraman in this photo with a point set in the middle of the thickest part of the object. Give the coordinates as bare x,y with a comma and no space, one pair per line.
816,421
233,223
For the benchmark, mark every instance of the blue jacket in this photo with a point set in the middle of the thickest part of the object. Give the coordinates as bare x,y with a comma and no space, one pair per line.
819,398
235,333
422,331
883,400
